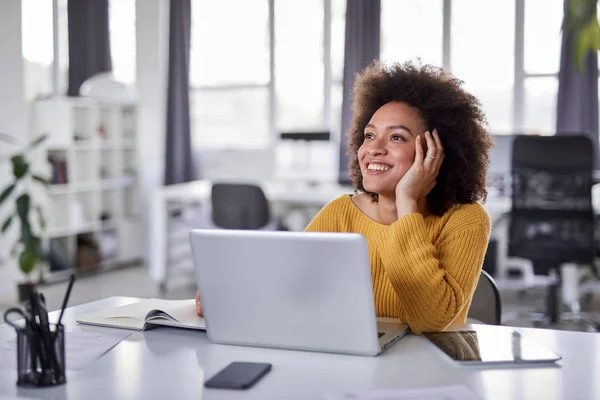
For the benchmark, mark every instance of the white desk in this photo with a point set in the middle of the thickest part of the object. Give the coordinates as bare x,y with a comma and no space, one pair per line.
169,363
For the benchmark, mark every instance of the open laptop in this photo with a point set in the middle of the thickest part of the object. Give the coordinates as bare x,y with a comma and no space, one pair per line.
294,290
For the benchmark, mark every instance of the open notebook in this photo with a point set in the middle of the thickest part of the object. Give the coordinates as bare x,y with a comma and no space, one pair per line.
147,314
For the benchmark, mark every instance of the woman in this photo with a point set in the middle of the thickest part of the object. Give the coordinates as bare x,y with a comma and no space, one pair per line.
418,150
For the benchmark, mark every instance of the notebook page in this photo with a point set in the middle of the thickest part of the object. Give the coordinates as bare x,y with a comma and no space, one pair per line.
183,311
134,315
136,310
127,316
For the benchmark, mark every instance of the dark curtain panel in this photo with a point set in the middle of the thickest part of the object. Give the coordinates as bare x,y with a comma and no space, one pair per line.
178,163
577,102
89,43
362,47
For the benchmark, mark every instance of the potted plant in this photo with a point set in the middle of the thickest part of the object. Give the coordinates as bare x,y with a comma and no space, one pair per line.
581,18
27,249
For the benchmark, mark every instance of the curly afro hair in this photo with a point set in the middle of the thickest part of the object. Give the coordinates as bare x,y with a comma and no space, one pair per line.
442,104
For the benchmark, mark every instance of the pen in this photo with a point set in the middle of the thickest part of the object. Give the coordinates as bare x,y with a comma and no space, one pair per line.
66,299
34,346
47,338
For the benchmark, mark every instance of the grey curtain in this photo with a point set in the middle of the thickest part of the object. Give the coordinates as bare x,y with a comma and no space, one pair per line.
89,41
361,47
178,165
577,102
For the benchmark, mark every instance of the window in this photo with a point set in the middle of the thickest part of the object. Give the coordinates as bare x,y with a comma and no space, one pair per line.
543,20
338,40
411,29
483,55
38,21
229,48
122,39
244,88
230,77
37,47
541,61
540,105
299,64
506,52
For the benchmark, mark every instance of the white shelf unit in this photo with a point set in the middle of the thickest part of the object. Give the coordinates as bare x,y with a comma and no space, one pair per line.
92,207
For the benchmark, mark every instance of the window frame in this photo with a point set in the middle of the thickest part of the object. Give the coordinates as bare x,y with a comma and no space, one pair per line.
520,74
274,133
59,81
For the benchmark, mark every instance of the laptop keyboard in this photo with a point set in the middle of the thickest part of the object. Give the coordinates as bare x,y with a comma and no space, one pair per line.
380,334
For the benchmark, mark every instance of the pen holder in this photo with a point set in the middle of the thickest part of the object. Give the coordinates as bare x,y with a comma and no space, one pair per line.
41,357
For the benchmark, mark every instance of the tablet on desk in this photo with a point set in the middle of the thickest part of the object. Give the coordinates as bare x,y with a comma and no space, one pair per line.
490,347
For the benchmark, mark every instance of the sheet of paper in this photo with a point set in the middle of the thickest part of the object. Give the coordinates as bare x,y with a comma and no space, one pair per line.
457,392
81,348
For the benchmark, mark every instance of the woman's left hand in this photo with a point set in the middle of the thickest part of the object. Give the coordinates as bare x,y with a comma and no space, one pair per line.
420,179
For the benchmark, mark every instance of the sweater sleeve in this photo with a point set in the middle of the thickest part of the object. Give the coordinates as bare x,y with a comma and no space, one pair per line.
434,282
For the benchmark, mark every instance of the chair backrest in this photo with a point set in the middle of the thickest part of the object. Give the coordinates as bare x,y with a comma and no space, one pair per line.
486,305
239,206
552,216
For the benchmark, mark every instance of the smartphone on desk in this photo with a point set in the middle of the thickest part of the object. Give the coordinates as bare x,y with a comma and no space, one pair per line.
238,375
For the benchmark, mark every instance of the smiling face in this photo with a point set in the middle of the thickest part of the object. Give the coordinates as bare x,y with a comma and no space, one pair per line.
388,150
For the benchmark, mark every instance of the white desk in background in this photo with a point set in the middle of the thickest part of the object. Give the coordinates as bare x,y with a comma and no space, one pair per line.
284,197
173,363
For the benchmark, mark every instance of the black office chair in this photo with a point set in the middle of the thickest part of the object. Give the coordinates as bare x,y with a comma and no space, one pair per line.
552,218
241,206
486,305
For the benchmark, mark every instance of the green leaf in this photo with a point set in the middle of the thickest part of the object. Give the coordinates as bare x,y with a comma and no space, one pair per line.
27,237
23,205
42,180
38,140
6,223
36,247
20,166
27,261
6,192
41,218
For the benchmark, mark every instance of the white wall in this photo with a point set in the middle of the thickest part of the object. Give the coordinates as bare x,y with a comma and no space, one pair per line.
152,29
13,117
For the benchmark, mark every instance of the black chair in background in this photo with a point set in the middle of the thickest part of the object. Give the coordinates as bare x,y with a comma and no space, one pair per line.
232,206
486,305
551,227
241,206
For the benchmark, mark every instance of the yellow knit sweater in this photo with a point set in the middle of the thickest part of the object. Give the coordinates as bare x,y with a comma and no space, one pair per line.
424,270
